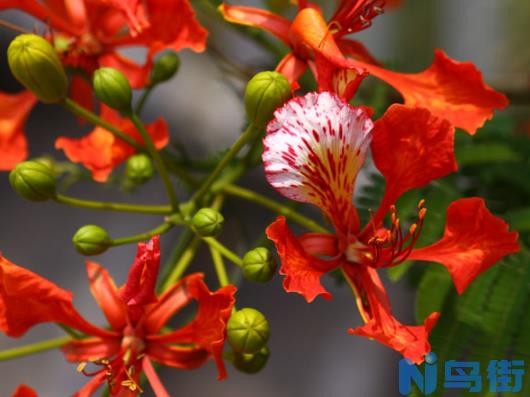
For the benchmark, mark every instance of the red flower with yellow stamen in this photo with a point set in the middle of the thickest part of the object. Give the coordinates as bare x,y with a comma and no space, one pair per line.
88,34
314,148
136,317
100,151
449,89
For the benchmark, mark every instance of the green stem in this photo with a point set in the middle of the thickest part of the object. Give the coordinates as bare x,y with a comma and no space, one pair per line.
33,348
228,157
162,170
70,331
216,245
143,98
289,213
121,207
219,265
163,228
182,264
183,242
92,118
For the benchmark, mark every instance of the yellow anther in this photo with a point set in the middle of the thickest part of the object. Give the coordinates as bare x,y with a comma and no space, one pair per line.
422,213
413,228
81,367
421,204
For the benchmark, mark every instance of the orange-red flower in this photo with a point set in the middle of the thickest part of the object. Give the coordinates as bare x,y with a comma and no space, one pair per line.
89,34
24,391
449,89
314,148
100,151
136,317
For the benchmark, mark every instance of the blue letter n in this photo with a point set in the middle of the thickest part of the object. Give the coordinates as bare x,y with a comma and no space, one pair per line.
409,372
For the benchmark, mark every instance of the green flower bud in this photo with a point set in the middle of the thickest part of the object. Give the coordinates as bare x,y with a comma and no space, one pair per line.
251,363
113,89
265,92
259,265
33,180
36,65
139,168
91,240
247,330
165,68
208,222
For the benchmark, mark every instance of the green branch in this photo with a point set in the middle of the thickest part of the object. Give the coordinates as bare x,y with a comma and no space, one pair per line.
33,348
120,207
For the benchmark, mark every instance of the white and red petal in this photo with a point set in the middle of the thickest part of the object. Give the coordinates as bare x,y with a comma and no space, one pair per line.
314,149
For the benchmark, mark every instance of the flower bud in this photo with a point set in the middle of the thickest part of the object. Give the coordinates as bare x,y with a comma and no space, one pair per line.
33,180
113,89
91,240
36,65
251,363
259,265
139,168
208,222
164,68
265,92
247,330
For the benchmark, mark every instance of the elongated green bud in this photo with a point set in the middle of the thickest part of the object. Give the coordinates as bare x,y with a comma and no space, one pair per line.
251,363
91,240
33,180
139,168
247,330
259,265
208,222
36,65
265,92
113,89
165,68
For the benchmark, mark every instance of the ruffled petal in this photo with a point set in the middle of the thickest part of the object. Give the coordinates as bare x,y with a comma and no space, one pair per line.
451,90
139,290
301,270
14,110
100,151
207,330
410,147
79,350
411,341
26,299
24,391
314,148
256,17
106,294
172,25
474,240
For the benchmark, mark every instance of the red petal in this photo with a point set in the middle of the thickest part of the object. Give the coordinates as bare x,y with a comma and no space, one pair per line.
81,92
355,15
207,330
177,356
314,148
139,291
91,387
172,25
100,151
449,89
14,110
411,341
24,391
256,17
410,147
357,50
27,299
79,350
292,68
153,379
301,270
106,294
474,240
136,74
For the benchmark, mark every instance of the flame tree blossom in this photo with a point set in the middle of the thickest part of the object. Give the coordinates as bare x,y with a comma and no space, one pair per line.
314,149
450,89
89,34
137,333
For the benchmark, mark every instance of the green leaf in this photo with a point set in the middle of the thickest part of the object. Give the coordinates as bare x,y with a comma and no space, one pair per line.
519,219
486,153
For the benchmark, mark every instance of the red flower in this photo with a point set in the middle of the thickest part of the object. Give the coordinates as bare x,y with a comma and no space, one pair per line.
100,151
14,110
314,148
449,89
136,318
88,34
24,391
